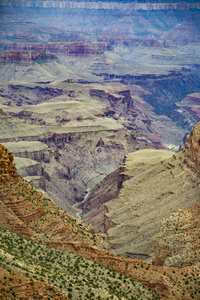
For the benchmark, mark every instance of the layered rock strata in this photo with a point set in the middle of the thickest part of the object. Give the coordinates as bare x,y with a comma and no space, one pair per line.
26,57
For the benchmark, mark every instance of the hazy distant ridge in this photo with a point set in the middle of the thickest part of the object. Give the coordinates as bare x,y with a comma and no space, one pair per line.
100,4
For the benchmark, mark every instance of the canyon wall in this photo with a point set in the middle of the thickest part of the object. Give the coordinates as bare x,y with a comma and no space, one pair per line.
37,52
101,5
26,57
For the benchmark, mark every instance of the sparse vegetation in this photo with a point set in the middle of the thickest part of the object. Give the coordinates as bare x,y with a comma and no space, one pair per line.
74,275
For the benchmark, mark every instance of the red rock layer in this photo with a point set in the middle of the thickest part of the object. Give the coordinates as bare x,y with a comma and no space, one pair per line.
26,57
74,49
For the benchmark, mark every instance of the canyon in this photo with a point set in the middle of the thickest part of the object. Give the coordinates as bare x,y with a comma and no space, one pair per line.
99,103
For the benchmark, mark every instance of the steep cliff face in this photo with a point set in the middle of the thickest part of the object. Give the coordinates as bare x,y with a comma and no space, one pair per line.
187,112
158,87
192,150
8,169
178,243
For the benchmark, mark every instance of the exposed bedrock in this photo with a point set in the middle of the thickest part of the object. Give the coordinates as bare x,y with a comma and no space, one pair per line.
32,150
120,103
192,150
178,242
41,52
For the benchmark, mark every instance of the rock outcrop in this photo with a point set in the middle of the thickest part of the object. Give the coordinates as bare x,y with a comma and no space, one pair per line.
178,243
187,112
192,150
8,169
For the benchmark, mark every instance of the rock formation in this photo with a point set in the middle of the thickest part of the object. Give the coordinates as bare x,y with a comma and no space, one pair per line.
8,169
24,206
